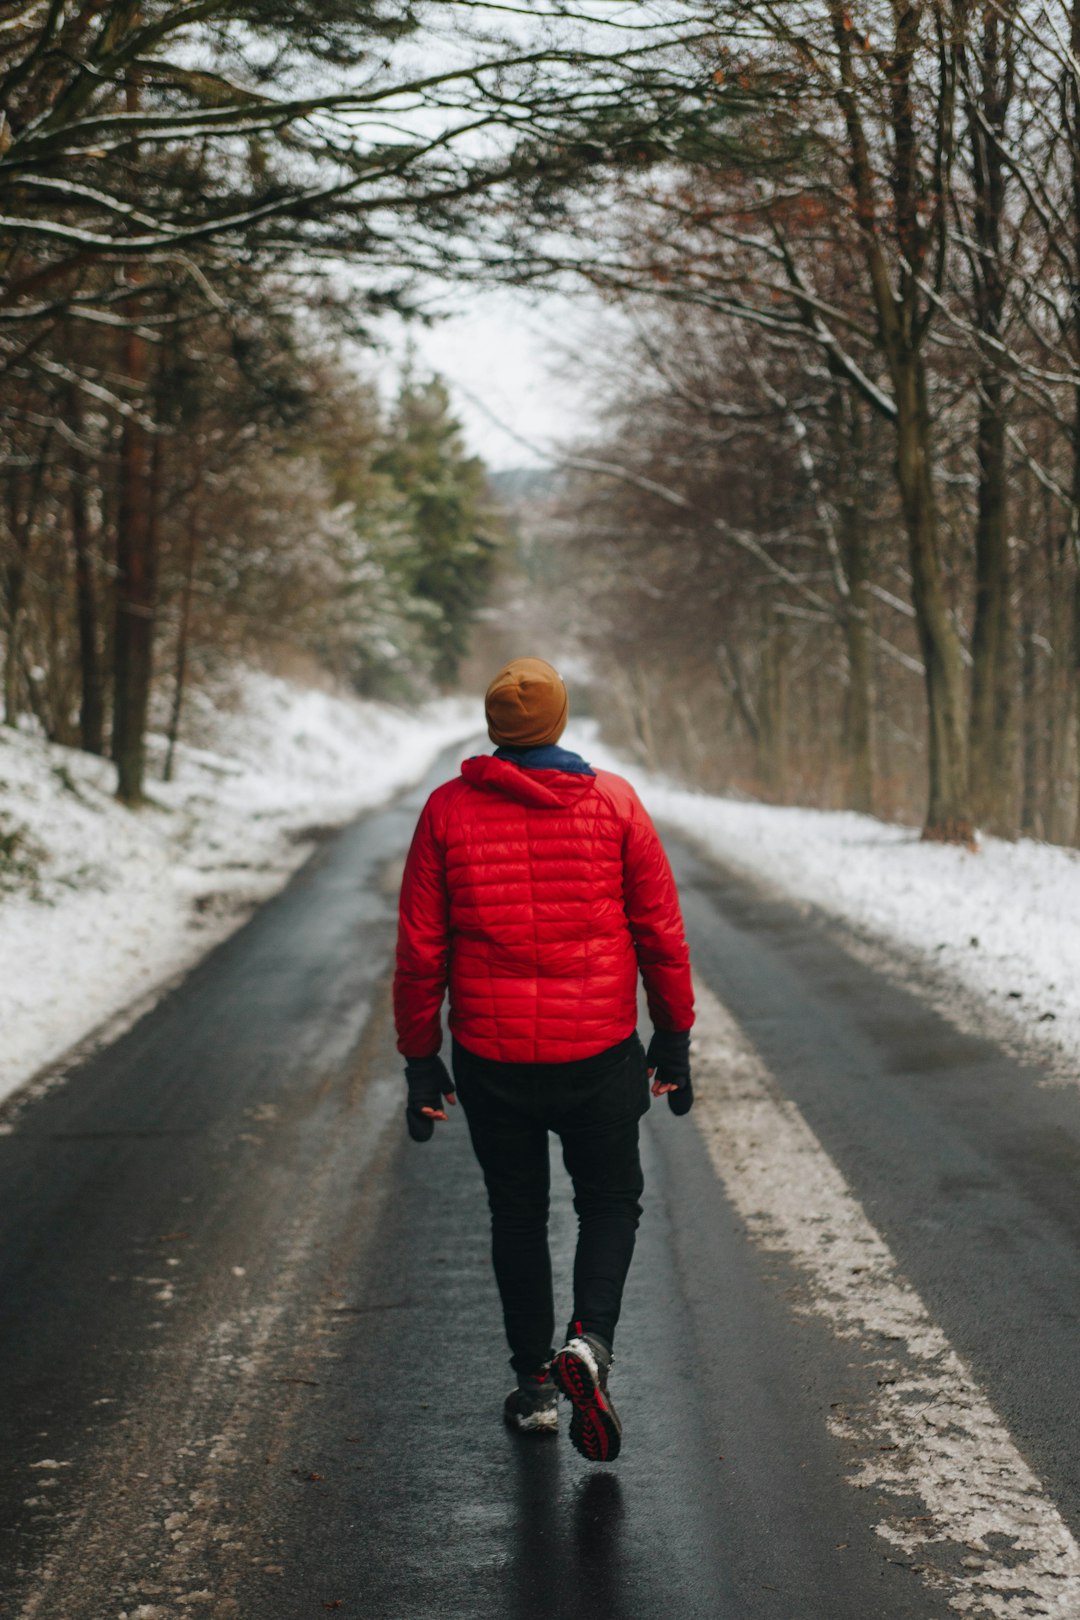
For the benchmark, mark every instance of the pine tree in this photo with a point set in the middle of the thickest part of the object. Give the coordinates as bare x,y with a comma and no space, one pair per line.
453,537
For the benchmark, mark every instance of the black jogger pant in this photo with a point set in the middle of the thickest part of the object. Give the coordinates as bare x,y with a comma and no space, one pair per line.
594,1107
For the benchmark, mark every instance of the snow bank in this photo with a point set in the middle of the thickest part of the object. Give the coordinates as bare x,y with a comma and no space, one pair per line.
125,900
1001,924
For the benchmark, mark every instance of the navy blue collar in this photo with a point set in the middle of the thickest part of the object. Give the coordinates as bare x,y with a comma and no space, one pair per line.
549,757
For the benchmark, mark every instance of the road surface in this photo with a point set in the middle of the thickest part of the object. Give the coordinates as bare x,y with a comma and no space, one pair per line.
251,1351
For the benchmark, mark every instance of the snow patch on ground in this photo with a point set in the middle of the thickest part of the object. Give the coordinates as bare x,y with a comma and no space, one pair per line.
930,1431
1002,924
123,900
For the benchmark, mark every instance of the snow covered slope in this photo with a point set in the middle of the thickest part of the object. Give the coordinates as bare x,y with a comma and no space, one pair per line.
123,900
993,937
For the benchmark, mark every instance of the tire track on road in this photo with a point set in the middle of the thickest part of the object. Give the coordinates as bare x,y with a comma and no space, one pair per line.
172,1511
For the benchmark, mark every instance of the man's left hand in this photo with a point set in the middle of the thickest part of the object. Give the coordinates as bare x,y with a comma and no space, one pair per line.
668,1064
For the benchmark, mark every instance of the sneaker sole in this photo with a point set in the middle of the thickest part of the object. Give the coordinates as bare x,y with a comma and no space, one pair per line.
594,1430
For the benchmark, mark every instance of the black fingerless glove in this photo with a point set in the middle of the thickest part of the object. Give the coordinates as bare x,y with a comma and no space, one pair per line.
429,1082
669,1055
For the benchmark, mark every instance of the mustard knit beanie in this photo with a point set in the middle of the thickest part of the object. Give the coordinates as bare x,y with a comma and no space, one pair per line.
526,704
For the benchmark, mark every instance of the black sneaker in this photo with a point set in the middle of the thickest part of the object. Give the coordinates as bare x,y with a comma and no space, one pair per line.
533,1407
580,1369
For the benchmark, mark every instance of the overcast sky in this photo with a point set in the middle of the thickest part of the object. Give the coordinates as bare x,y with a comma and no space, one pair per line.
501,358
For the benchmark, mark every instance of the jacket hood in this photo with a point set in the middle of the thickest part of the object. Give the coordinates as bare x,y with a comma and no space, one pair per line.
548,789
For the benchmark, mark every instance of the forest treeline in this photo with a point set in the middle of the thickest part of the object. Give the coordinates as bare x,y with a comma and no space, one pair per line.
830,521
190,471
290,511
826,545
204,205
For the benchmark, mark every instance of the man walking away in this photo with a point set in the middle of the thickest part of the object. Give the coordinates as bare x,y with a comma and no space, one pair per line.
535,890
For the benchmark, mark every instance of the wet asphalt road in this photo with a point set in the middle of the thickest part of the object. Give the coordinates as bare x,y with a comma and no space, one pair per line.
251,1350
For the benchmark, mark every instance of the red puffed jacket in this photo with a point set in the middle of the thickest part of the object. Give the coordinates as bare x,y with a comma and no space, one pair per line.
536,896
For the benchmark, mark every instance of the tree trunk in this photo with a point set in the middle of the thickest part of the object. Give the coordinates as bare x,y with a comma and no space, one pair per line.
902,326
1072,102
92,702
13,610
1058,700
991,734
23,497
14,581
992,739
1069,814
136,589
182,639
136,558
1066,808
643,723
859,701
773,710
1034,719
858,724
742,704
948,815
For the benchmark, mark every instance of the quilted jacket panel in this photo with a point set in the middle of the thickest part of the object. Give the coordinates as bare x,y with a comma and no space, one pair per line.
536,897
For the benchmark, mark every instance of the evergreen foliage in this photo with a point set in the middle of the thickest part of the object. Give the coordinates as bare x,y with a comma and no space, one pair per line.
447,563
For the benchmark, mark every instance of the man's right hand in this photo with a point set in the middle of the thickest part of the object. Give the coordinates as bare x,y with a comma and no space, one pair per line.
429,1082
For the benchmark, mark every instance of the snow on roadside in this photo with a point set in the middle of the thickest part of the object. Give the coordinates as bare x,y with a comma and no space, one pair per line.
125,900
928,1437
1002,924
